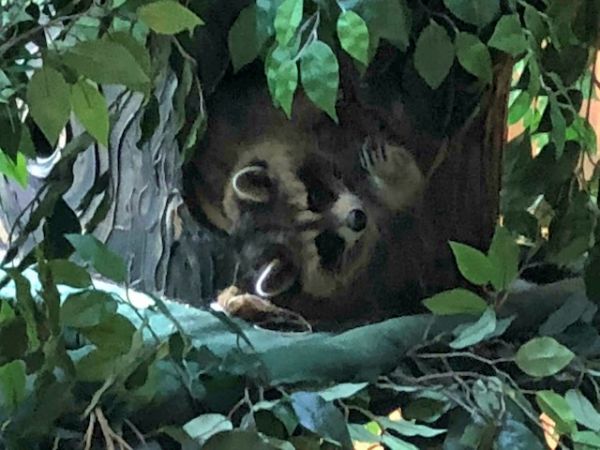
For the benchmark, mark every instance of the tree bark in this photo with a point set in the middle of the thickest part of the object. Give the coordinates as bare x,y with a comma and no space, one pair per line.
147,223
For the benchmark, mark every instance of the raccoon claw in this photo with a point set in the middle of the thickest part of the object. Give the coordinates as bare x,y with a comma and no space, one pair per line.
393,172
373,153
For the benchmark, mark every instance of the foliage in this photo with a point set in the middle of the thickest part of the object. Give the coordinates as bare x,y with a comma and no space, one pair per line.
80,366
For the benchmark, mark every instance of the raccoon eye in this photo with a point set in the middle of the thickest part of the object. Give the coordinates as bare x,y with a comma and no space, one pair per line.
356,220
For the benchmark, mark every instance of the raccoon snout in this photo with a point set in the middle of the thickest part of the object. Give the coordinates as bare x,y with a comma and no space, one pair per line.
356,220
275,278
253,184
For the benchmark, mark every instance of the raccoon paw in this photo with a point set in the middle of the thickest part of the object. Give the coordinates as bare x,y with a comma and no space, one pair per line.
259,311
393,172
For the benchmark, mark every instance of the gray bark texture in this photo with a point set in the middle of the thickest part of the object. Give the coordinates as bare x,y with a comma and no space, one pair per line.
147,223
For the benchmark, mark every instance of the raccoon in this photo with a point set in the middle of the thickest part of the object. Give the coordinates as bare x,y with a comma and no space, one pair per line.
310,219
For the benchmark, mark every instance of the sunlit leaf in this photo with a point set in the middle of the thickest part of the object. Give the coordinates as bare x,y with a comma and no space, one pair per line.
353,34
91,110
543,356
287,19
320,76
473,264
504,257
557,408
12,385
456,301
107,62
168,17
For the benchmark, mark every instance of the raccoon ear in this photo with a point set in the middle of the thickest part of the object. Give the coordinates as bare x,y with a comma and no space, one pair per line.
275,278
252,183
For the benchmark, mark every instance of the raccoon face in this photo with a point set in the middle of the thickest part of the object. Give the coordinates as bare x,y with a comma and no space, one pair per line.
296,225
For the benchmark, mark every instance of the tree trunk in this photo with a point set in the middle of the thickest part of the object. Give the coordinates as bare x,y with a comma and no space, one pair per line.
147,223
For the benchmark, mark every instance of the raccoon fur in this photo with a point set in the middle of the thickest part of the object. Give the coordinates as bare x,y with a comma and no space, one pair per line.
315,217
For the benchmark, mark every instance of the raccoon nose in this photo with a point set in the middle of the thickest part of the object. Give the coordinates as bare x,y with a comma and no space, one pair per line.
275,278
356,220
253,184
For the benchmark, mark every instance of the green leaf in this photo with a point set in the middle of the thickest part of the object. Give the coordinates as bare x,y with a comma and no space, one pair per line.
360,433
70,274
455,301
559,127
287,19
134,47
592,269
504,257
87,309
15,170
508,36
583,410
475,12
168,17
12,385
434,54
320,76
543,357
514,435
203,427
386,19
394,443
276,58
266,10
585,440
565,316
535,24
476,332
10,128
107,62
409,428
284,82
99,256
321,417
48,100
519,106
90,108
340,391
6,311
112,336
353,34
240,439
472,263
557,408
474,56
246,38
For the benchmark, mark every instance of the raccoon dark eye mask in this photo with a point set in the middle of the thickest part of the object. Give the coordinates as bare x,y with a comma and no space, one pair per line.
275,278
253,184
